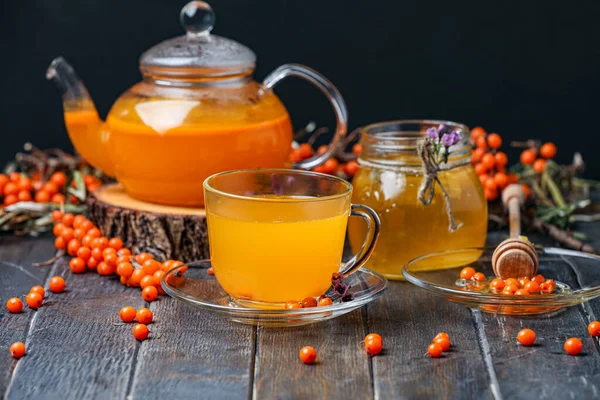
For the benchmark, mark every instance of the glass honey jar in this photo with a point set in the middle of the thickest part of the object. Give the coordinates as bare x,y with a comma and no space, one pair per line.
388,181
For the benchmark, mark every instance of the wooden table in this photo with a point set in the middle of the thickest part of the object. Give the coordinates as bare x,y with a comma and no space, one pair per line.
78,349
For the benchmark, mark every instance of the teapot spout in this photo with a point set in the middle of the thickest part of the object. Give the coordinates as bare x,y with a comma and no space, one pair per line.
86,130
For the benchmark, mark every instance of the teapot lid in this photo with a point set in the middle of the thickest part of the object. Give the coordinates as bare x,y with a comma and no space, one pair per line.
198,53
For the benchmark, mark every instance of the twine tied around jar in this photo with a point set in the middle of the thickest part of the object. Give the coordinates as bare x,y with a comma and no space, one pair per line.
427,188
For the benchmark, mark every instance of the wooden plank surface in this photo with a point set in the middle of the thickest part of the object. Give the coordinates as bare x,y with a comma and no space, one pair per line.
75,348
17,276
342,369
193,354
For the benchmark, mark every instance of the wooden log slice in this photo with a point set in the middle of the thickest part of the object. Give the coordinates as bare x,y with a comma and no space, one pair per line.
166,232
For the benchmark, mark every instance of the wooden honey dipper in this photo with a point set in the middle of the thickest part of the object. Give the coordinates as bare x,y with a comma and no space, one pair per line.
514,257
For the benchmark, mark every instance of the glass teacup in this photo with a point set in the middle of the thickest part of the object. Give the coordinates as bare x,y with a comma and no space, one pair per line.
277,235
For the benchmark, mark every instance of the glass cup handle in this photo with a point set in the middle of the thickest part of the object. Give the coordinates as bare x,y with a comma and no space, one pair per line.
373,228
334,96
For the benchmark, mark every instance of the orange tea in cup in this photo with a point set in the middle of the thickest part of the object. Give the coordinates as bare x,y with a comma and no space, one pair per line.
278,235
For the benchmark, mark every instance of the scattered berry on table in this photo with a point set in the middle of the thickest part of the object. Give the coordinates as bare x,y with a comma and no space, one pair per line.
17,350
444,342
373,336
127,314
57,284
573,346
14,305
140,331
34,300
143,316
594,328
308,355
435,350
39,290
526,337
373,346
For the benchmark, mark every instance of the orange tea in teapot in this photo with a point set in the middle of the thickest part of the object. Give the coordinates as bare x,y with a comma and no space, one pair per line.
197,112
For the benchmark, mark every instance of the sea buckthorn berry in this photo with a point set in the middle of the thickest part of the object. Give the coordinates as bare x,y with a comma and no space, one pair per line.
467,272
510,289
111,259
17,350
305,150
39,290
594,328
481,143
528,157
41,196
491,184
373,336
105,268
124,252
77,265
99,243
322,149
490,194
125,269
478,277
308,355
501,179
68,219
477,132
546,288
435,350
147,280
167,265
441,334
497,285
87,225
123,280
209,271
78,233
14,305
127,314
144,316
494,141
92,263
158,277
68,234
357,149
526,190
325,301
476,156
532,287
23,195
444,342
151,266
140,258
58,198
539,165
87,241
57,284
488,160
351,167
511,281
522,292
97,254
573,346
150,293
78,220
373,346
11,188
34,300
539,279
136,277
59,178
292,304
523,281
115,243
84,253
60,243
58,229
73,247
480,169
140,331
124,258
109,250
10,200
308,302
330,165
94,232
526,337
295,156
548,150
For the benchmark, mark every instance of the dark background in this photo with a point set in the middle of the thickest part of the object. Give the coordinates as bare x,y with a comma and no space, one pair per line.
524,69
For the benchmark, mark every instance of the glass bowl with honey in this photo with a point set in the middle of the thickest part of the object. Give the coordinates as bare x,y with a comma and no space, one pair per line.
388,181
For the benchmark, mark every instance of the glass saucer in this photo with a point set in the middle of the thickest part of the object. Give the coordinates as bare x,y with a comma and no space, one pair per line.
577,275
193,285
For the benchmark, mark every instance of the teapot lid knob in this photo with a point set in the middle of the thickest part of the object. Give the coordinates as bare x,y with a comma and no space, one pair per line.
197,18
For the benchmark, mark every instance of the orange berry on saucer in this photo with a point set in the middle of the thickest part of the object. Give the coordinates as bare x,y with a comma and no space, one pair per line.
325,301
467,272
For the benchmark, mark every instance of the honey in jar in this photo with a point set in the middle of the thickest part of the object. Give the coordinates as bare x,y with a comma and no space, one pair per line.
388,181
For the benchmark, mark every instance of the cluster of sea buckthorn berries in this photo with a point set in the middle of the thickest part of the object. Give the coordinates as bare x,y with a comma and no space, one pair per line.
34,299
18,187
572,346
537,158
308,302
440,343
512,286
332,166
373,346
143,316
490,163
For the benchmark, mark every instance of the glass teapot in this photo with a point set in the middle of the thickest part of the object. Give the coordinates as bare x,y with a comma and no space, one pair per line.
196,112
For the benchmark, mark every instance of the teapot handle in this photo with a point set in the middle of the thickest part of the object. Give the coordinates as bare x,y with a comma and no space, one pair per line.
334,96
